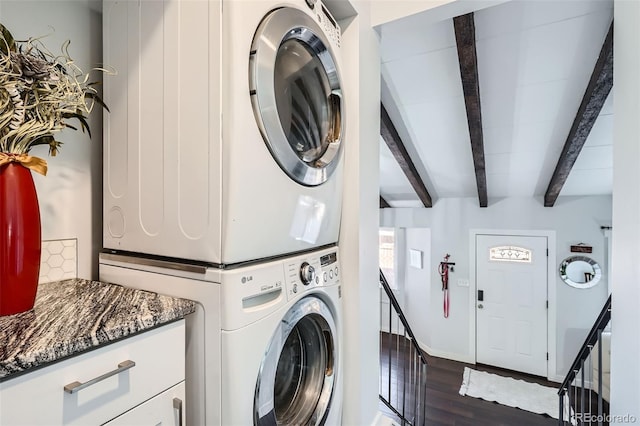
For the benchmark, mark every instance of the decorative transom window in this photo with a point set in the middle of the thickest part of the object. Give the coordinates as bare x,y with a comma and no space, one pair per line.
510,254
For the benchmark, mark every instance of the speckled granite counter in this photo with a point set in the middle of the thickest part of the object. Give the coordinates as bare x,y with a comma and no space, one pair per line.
76,315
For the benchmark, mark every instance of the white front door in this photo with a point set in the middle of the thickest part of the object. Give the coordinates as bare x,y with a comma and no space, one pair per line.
511,302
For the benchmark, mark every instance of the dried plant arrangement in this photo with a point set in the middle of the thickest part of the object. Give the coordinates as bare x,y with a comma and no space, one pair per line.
40,94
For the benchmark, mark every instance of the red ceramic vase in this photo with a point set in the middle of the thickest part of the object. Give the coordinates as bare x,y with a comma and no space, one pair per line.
20,239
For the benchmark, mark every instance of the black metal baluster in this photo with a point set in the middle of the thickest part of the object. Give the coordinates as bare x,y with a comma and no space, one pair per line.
575,390
424,397
582,389
417,396
404,379
389,355
417,392
416,386
561,405
590,376
570,403
397,370
381,343
591,373
600,416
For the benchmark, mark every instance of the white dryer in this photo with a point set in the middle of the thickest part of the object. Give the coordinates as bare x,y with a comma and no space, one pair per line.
264,346
224,143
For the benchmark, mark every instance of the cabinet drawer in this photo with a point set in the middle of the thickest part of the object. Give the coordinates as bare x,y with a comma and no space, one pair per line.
166,409
39,398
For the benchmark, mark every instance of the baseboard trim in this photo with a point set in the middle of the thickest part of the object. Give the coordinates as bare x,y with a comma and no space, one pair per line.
382,420
447,355
557,378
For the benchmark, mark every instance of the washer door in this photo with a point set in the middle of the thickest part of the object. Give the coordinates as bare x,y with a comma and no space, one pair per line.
296,95
297,375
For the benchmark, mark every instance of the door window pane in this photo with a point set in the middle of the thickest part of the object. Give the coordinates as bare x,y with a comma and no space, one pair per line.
510,254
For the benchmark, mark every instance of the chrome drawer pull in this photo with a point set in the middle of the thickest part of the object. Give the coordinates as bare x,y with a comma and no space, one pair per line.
177,405
77,386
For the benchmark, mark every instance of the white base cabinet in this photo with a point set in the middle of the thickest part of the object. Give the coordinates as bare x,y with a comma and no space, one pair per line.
67,392
166,409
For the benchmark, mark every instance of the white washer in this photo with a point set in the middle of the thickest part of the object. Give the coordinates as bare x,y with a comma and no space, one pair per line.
264,346
224,140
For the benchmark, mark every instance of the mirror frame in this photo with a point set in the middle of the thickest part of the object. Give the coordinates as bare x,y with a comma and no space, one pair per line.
596,269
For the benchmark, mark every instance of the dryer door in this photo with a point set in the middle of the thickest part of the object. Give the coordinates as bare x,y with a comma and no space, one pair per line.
298,372
297,96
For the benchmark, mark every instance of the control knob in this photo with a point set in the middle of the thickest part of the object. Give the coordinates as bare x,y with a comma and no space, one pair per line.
307,273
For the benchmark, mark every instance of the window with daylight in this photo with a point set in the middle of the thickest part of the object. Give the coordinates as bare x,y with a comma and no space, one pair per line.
510,254
387,249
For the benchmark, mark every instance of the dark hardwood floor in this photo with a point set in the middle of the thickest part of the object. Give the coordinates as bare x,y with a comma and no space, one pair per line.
444,405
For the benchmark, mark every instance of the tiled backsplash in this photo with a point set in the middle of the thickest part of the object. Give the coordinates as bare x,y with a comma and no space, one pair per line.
59,260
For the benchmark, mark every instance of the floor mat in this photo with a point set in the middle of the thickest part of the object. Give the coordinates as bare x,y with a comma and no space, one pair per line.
511,392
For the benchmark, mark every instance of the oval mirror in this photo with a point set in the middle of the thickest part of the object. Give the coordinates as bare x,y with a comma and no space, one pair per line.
580,271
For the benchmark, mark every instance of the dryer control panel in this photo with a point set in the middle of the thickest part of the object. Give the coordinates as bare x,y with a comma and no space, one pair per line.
326,21
314,270
328,24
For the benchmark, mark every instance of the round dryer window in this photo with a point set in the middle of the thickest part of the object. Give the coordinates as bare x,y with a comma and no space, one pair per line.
297,375
296,95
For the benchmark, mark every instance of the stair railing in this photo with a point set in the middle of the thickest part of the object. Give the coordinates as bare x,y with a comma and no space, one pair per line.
575,400
403,366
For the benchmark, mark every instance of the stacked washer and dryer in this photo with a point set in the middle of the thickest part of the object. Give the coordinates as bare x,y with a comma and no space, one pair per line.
223,176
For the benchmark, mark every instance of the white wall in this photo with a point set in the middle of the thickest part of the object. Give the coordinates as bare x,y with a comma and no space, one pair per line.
625,259
70,196
416,286
574,220
359,229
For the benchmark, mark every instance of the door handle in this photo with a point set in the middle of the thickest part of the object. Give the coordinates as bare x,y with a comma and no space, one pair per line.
335,122
480,295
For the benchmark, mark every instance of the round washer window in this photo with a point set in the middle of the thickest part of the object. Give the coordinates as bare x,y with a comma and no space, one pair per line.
297,374
302,366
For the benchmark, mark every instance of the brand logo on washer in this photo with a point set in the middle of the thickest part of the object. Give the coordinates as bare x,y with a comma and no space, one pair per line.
246,279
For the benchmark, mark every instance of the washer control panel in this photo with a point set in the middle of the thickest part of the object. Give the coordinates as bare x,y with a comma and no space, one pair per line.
307,273
314,270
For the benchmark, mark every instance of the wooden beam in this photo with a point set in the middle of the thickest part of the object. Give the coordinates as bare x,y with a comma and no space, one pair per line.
383,203
465,31
594,98
397,148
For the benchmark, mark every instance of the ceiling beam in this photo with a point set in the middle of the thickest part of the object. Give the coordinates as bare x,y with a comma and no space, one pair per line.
383,203
465,31
397,148
594,98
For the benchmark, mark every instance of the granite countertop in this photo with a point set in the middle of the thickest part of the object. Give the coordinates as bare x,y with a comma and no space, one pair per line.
76,315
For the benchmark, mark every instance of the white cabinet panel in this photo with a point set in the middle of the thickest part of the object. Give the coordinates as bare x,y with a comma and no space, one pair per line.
39,398
166,409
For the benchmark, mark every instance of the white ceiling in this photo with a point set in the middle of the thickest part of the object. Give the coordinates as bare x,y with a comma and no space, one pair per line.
535,59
